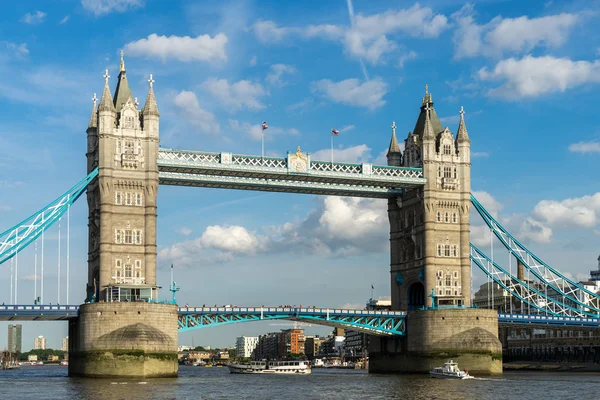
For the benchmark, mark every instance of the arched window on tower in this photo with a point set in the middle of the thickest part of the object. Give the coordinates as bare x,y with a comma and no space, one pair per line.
439,217
446,218
439,172
453,218
455,173
447,148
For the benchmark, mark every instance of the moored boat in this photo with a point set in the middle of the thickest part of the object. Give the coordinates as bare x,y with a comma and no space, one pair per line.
450,370
271,367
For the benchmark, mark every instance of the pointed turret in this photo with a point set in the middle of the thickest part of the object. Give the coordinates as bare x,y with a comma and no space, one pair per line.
106,102
122,92
394,154
428,133
150,108
427,102
462,135
94,117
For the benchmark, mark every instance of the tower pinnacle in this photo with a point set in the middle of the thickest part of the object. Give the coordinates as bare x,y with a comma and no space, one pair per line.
122,66
428,129
150,108
462,135
94,117
106,103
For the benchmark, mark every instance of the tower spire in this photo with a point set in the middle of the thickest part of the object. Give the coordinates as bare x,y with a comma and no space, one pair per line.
94,118
106,102
122,92
428,133
122,66
394,154
462,135
150,108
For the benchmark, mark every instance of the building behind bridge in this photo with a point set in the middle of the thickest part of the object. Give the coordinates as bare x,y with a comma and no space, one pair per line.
15,339
280,345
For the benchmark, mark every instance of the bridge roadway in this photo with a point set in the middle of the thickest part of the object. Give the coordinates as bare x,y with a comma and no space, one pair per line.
381,323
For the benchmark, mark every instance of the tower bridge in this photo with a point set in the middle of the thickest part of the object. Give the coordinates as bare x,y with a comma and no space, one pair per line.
427,187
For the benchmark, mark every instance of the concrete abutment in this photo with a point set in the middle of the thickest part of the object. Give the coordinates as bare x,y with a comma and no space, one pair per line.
127,340
468,336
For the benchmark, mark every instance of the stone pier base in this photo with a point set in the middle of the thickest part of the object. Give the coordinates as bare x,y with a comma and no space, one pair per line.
131,340
467,336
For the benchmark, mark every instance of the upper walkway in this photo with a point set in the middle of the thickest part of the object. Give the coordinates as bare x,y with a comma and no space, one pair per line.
295,173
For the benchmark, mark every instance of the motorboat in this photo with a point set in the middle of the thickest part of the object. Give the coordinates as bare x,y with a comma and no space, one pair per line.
450,370
271,367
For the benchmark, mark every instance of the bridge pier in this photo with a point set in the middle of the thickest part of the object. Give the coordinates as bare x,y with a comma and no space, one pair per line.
131,340
468,336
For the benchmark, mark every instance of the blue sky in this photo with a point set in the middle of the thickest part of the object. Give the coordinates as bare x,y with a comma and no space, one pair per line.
527,74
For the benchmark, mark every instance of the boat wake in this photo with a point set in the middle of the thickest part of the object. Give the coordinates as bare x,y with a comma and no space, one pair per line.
489,379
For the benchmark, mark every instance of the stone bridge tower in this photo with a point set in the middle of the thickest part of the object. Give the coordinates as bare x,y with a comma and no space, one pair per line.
121,330
123,144
429,226
429,243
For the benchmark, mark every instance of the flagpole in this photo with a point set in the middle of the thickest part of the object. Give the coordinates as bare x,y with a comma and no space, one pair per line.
332,147
262,136
372,291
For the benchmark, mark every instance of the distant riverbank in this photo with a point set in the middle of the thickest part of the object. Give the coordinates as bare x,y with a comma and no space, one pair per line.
550,367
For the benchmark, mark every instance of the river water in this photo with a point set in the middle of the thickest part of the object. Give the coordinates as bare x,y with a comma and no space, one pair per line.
51,382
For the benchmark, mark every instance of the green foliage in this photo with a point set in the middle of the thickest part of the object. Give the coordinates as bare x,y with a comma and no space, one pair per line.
42,354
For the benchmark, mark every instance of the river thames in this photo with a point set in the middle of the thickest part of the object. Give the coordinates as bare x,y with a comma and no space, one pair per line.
51,382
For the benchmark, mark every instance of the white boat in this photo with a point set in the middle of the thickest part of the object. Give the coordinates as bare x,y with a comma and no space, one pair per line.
271,367
449,371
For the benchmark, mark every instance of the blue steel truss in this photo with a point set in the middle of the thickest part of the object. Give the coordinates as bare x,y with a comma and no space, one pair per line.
379,323
19,236
294,174
546,321
555,286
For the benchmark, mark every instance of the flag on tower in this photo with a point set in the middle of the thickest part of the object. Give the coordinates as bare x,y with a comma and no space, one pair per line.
335,131
264,125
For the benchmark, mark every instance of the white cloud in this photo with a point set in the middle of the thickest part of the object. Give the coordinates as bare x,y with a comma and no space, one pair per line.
509,35
352,92
255,130
184,231
235,239
585,147
188,103
367,37
181,48
480,154
488,201
338,226
101,7
4,184
35,18
277,71
581,212
355,154
64,20
535,76
253,61
411,55
535,231
19,50
347,128
238,95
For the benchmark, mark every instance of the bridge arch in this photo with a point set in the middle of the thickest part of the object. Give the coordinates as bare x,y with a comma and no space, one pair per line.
416,295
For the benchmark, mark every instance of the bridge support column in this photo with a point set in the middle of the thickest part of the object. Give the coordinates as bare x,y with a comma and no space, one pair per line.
467,336
132,340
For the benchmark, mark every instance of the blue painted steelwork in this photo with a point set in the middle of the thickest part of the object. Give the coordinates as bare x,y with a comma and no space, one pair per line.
19,236
234,171
536,298
555,284
37,313
380,323
545,321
